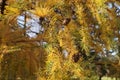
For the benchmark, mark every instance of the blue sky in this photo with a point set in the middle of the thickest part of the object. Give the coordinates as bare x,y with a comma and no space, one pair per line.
33,23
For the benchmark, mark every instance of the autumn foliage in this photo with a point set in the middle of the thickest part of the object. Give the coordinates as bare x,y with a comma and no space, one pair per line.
76,40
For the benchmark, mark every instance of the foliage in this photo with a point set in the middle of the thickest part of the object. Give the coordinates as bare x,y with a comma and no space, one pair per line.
79,37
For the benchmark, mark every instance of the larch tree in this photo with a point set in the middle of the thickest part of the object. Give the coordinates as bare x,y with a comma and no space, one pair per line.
76,43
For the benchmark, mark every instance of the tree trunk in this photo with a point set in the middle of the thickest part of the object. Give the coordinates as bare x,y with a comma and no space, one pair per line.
100,77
